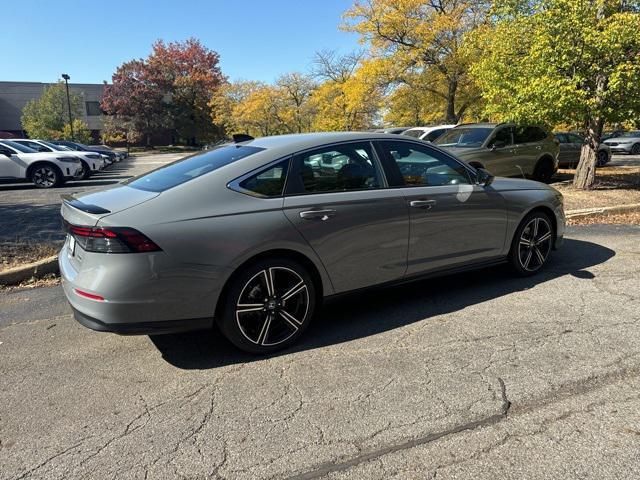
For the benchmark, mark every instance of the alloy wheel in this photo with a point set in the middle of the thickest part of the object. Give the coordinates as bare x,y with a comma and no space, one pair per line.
272,306
44,176
535,244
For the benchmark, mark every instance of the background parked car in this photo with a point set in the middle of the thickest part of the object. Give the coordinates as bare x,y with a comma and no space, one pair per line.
104,149
628,142
394,130
91,162
428,134
79,147
505,149
571,146
611,134
45,170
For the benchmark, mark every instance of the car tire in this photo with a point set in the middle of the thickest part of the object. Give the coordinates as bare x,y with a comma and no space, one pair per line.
268,305
635,150
602,158
532,244
46,175
85,172
543,171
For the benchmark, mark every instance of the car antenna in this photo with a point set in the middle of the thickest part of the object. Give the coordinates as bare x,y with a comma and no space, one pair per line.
241,137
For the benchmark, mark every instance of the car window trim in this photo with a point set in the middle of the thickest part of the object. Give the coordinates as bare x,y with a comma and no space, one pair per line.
293,169
470,171
236,187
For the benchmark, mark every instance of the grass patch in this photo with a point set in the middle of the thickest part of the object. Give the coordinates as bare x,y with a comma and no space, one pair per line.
614,186
16,254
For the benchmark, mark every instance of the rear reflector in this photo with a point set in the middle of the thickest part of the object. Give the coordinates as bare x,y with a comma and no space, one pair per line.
89,295
111,239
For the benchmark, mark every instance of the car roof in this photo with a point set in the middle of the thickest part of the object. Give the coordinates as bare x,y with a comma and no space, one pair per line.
303,141
482,125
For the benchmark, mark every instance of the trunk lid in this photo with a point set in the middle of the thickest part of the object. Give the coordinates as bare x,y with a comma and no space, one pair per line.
88,208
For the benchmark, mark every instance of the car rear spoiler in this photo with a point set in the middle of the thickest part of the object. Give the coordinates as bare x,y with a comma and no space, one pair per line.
84,207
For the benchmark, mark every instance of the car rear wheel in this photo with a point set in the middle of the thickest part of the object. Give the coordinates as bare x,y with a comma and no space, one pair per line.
531,244
543,171
46,176
268,306
635,150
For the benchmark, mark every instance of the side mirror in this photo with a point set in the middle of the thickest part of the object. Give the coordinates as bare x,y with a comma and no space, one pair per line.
6,152
498,144
483,177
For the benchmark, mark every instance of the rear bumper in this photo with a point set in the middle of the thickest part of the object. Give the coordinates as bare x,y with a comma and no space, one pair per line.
143,328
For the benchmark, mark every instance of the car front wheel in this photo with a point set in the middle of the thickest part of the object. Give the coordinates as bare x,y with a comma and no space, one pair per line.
531,244
268,306
46,176
635,150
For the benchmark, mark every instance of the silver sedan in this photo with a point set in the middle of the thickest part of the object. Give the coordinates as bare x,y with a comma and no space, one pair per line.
252,235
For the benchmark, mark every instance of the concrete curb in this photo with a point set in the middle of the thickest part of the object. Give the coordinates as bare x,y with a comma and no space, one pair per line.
598,211
38,269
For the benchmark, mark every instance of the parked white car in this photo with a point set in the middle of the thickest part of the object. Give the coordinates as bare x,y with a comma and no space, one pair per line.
92,162
45,170
428,134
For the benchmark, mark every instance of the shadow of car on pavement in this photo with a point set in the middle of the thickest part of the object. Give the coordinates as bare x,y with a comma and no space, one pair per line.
360,315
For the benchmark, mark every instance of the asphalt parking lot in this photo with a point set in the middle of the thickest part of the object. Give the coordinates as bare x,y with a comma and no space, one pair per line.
479,375
31,214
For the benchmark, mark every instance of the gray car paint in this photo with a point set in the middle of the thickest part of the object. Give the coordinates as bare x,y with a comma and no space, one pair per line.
208,231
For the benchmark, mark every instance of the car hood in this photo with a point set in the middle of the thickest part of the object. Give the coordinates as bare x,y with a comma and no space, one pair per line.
463,152
503,184
622,139
88,208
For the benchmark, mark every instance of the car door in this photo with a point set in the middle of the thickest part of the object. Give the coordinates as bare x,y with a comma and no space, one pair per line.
453,221
527,146
499,156
10,164
576,147
358,228
566,150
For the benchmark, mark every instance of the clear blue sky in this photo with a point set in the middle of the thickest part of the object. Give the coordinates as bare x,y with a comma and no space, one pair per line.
256,39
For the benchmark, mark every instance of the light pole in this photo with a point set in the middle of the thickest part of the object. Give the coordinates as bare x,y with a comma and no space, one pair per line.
66,82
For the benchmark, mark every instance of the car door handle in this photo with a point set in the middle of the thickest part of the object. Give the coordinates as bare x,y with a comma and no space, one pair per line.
323,215
424,204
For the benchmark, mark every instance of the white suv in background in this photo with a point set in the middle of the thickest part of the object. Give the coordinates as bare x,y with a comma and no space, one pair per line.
45,170
428,134
91,162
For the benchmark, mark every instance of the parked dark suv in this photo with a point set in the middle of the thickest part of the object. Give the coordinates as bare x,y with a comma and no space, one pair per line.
505,149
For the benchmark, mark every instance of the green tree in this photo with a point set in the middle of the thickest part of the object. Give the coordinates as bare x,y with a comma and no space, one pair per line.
81,132
563,62
48,116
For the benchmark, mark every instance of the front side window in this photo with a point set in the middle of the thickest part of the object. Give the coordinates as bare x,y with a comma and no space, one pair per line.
464,137
269,182
502,138
337,168
36,146
573,138
420,166
182,171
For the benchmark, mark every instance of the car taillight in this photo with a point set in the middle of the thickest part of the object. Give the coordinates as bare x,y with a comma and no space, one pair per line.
111,239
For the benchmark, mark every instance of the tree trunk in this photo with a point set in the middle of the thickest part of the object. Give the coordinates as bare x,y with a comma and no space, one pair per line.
585,175
450,113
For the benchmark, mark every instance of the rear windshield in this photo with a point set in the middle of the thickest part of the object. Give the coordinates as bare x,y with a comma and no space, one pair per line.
189,168
464,137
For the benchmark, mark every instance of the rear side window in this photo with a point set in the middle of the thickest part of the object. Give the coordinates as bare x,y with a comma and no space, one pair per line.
269,182
182,171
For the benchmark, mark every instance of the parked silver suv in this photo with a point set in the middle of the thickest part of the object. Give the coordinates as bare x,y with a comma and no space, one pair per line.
505,149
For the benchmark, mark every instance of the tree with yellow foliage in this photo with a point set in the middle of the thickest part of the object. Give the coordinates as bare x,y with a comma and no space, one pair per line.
423,41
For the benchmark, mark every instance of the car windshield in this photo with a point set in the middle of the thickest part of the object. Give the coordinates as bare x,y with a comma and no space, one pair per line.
53,146
19,147
631,134
189,168
413,133
464,137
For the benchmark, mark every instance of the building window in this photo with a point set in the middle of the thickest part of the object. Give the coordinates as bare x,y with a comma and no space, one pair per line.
93,109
